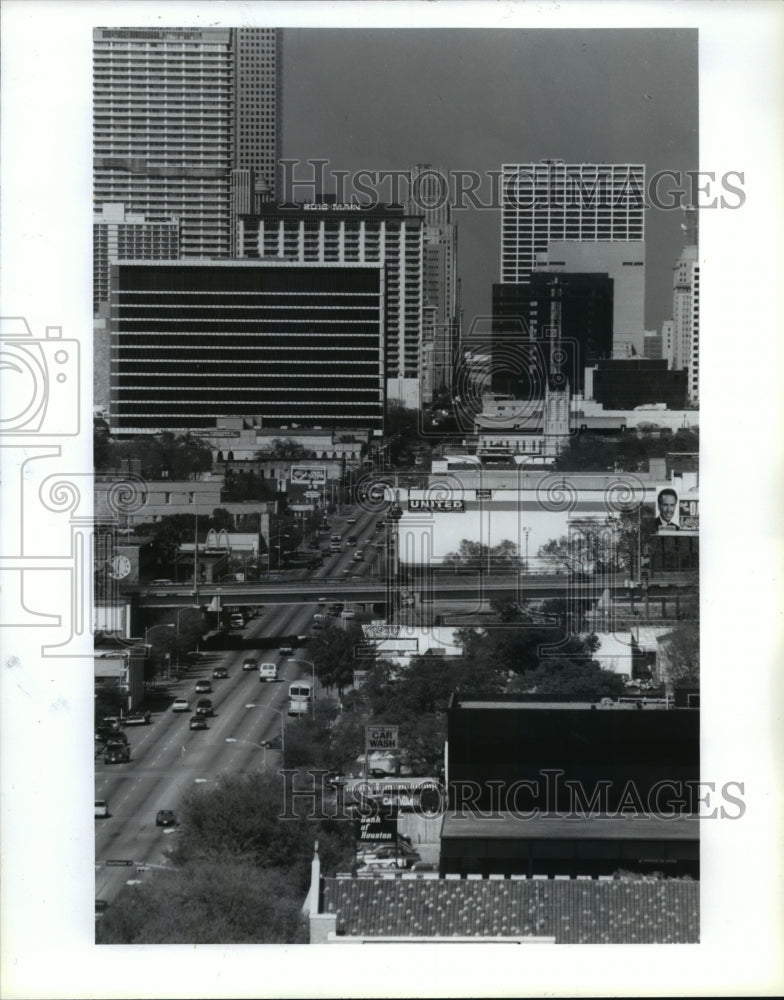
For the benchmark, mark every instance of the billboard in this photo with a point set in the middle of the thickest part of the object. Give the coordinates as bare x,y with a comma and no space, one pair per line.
677,511
309,474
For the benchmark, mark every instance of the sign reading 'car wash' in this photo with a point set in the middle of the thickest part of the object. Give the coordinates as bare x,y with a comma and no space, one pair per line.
381,737
448,506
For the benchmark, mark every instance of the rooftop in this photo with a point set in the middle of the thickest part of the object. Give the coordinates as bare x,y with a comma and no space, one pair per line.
571,911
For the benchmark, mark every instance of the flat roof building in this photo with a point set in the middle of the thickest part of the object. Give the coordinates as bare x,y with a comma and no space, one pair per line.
195,342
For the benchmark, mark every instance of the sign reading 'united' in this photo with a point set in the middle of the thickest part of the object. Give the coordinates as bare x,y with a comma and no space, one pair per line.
452,506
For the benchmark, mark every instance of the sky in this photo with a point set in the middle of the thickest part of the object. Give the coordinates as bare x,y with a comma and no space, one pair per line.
473,99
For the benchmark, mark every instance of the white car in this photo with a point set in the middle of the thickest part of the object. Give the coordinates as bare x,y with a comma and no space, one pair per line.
101,808
348,613
181,705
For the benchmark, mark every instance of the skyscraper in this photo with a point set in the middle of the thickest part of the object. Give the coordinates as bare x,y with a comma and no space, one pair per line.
584,217
684,350
175,111
429,199
325,232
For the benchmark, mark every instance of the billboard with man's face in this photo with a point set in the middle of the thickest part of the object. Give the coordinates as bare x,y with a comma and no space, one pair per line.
676,512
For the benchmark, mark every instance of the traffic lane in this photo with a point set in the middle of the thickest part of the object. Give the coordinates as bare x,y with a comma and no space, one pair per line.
190,759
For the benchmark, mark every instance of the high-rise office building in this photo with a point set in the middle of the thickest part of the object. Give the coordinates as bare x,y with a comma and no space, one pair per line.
684,352
175,110
582,217
565,322
291,344
325,232
429,199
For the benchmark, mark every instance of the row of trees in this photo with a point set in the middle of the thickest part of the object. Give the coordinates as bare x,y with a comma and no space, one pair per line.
154,456
588,452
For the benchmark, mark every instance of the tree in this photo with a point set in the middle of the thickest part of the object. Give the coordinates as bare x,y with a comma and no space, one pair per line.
582,680
479,555
284,450
214,902
333,652
680,656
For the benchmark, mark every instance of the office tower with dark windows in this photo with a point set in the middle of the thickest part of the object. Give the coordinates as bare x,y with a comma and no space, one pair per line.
326,232
175,111
581,217
289,344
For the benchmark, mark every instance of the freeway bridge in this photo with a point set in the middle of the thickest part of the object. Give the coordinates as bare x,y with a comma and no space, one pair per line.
416,590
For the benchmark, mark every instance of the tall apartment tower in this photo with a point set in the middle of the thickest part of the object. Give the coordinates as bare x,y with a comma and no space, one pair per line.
579,217
175,111
429,199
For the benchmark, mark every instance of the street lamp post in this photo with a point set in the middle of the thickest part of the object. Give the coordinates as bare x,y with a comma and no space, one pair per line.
312,665
527,533
277,711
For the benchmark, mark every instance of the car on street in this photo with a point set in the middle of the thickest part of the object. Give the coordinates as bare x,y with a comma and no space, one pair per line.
195,654
204,707
348,613
358,556
137,719
319,626
352,539
237,621
203,687
101,809
101,905
379,525
378,545
351,520
250,663
161,582
166,817
181,705
286,649
220,673
424,866
322,600
116,736
117,753
198,722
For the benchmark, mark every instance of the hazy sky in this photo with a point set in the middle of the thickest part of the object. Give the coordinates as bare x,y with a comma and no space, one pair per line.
473,99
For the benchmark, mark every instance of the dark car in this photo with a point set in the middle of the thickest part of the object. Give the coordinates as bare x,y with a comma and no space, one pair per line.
220,672
204,707
273,743
165,817
286,649
115,736
250,663
318,626
117,753
352,539
198,722
203,687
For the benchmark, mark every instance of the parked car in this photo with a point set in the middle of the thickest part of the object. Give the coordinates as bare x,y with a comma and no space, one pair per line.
220,673
165,817
203,687
181,705
250,663
198,722
424,866
204,707
137,719
101,809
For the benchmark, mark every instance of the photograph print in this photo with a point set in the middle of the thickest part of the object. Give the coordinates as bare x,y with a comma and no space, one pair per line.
396,450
